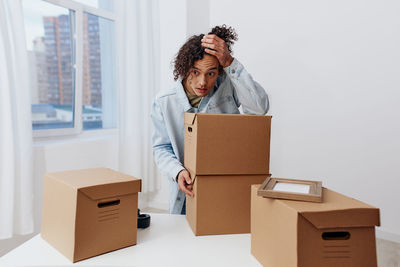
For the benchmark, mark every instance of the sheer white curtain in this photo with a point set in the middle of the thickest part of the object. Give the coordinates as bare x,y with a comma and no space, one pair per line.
139,60
16,179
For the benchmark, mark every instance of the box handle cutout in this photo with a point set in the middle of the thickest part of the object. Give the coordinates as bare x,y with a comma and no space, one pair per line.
108,203
335,235
190,129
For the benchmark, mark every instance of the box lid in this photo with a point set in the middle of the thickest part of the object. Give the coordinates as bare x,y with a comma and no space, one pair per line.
336,210
189,118
343,218
111,190
99,183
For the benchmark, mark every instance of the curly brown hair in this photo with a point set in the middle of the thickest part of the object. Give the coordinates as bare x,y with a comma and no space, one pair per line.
192,50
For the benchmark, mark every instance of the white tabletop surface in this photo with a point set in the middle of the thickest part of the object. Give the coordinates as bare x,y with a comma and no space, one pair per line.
168,241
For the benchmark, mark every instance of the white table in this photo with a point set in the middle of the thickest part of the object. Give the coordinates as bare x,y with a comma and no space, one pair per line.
168,241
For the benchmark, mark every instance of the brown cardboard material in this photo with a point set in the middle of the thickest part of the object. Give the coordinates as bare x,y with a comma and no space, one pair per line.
340,231
221,204
89,212
227,144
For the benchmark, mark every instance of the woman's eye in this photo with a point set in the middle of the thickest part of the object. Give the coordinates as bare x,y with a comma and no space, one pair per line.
195,72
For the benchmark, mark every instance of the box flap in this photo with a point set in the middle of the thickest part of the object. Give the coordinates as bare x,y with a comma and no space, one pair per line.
190,118
97,192
336,210
193,176
343,218
92,177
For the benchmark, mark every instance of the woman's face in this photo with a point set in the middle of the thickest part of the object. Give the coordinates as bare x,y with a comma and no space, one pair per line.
203,76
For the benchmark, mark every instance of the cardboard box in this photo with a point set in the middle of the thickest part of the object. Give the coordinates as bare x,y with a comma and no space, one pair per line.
225,154
89,212
227,144
221,204
340,231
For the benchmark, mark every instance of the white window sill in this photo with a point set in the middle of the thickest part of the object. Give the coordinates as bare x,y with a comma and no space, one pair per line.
85,136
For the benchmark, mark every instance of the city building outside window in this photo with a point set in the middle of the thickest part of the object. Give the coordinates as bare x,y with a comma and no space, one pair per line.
72,57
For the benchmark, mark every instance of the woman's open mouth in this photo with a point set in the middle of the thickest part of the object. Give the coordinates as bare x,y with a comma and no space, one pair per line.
201,90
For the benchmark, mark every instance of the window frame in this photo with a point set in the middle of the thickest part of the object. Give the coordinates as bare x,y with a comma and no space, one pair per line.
77,22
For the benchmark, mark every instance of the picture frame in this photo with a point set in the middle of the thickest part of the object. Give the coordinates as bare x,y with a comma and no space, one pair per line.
291,189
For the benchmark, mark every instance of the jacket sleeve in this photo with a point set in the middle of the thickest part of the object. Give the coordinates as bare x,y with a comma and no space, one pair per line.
247,92
163,153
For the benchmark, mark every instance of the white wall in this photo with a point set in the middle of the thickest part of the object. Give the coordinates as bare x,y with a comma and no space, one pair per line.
331,69
173,35
197,17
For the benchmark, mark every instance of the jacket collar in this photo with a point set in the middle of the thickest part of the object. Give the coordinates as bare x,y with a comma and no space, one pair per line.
181,95
184,101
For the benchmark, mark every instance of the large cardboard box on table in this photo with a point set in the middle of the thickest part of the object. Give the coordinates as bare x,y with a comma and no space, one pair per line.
89,212
227,144
225,155
340,231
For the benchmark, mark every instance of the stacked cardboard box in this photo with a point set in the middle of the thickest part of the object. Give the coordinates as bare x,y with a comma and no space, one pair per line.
225,154
340,231
89,212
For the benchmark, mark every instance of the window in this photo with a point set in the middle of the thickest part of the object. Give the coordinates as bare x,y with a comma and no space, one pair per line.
100,4
72,58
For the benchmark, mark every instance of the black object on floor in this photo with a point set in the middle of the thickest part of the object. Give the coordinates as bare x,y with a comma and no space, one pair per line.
143,220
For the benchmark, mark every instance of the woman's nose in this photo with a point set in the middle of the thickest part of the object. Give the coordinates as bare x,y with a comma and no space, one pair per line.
202,81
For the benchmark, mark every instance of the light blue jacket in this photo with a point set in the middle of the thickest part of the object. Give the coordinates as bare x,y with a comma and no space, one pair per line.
234,88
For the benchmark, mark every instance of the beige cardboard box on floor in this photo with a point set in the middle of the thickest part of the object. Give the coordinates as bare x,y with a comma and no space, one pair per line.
225,154
340,231
227,144
89,212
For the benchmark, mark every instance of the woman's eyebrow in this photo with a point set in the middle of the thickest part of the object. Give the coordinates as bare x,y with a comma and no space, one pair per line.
212,68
